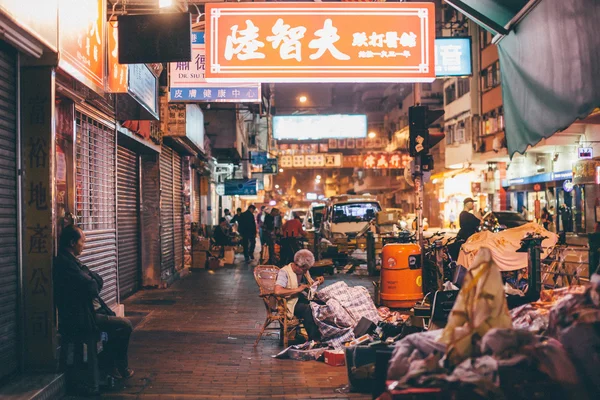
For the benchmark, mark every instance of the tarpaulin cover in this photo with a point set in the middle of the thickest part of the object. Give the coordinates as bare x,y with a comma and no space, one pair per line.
550,66
504,245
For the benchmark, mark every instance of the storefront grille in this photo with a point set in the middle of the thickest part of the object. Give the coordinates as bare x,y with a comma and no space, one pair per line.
96,209
95,203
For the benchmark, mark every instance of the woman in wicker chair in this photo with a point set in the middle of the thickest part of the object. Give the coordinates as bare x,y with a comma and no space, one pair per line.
292,281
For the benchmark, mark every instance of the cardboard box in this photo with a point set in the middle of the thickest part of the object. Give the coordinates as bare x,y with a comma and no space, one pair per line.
199,259
387,217
202,245
213,263
229,255
335,358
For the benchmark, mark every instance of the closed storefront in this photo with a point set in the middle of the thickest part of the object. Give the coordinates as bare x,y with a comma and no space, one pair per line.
95,200
171,211
8,211
178,228
128,221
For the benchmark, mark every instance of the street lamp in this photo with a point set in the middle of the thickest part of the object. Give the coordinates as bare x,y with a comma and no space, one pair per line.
302,99
276,186
165,3
372,135
280,169
318,177
299,191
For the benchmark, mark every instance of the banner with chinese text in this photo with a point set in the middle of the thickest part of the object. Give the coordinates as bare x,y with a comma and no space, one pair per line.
81,41
329,160
320,42
187,81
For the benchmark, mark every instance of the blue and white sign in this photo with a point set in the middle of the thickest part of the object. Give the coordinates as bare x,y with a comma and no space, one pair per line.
258,157
540,178
271,167
241,187
453,56
187,82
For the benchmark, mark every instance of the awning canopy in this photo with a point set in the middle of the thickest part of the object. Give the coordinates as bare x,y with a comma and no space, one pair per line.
550,66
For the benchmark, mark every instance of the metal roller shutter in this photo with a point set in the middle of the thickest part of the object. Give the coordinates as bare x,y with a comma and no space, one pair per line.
128,221
96,201
196,198
8,211
166,210
178,230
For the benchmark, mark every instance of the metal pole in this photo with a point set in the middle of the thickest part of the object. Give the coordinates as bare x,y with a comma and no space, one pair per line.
370,253
418,178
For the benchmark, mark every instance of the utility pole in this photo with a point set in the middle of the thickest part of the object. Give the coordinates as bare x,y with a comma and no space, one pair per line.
420,141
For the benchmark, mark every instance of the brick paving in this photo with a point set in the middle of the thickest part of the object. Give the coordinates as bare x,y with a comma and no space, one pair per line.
195,341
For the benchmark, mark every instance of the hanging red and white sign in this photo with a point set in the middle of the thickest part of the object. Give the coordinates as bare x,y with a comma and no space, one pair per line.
320,42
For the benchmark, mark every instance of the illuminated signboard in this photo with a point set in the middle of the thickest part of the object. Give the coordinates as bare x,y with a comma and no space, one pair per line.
453,56
82,41
585,153
316,127
187,82
320,42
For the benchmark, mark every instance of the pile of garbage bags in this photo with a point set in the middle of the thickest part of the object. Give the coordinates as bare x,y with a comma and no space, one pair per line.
548,348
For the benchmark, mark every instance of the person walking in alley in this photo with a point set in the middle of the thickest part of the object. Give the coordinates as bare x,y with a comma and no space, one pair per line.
82,314
452,218
292,280
247,229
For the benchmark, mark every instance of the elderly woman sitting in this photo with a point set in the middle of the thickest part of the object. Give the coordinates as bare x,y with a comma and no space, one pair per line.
292,280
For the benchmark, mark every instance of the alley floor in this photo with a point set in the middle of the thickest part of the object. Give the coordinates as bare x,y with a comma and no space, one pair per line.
195,340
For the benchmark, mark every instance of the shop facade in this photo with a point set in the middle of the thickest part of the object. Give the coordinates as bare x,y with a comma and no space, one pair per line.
9,266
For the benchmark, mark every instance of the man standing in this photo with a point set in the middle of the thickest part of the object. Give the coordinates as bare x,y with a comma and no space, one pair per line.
247,229
469,222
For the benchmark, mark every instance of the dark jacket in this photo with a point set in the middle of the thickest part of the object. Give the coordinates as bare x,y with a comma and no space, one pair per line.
247,224
221,236
75,289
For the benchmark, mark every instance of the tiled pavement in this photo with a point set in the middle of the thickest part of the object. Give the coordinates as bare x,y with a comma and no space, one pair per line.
195,341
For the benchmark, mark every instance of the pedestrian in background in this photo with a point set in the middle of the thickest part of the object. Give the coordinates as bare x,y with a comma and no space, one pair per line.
247,229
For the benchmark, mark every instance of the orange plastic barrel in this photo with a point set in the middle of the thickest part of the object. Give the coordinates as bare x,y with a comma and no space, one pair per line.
401,280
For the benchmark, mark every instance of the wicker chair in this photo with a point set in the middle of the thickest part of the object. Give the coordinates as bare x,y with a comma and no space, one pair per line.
276,306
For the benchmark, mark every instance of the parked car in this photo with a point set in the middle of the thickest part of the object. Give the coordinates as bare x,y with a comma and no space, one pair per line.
509,219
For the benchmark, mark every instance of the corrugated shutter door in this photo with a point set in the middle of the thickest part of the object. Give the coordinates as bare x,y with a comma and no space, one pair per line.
178,210
196,215
128,222
95,201
8,211
166,209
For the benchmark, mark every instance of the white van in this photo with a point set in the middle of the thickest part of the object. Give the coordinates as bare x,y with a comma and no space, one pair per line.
346,215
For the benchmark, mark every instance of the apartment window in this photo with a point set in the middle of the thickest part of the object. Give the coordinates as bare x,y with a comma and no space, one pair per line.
485,38
493,122
449,131
450,93
464,86
490,77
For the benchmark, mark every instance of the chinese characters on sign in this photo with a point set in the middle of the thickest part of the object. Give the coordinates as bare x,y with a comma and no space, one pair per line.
117,73
187,81
453,56
319,42
81,30
38,163
327,160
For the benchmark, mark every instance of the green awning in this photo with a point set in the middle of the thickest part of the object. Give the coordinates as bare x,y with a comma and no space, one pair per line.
550,66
